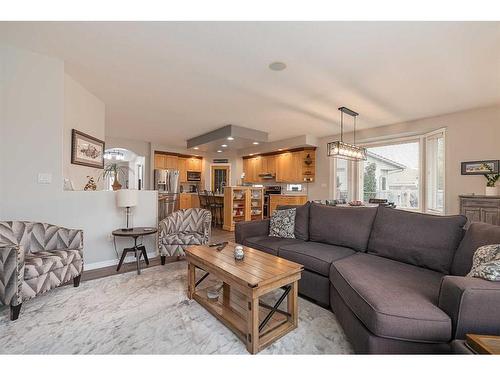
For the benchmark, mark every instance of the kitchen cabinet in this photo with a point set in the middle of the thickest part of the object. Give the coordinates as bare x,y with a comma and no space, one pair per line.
160,161
479,208
182,166
276,200
163,161
252,168
242,203
188,200
194,165
292,166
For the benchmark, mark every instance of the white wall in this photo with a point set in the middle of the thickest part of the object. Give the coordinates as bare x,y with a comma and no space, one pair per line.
86,113
31,142
470,135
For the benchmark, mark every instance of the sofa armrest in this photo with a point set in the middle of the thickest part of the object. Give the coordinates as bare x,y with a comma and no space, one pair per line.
48,237
473,305
11,274
246,229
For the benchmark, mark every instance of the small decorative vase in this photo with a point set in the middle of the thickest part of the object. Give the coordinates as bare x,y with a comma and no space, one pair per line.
239,254
491,191
116,185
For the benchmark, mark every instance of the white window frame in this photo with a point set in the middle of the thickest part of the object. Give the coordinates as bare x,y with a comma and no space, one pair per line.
354,171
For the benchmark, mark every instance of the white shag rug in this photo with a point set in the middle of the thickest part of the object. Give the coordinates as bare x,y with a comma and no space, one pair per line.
148,314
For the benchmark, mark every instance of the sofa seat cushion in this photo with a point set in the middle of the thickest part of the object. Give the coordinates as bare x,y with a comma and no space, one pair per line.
43,262
423,240
314,256
392,299
270,244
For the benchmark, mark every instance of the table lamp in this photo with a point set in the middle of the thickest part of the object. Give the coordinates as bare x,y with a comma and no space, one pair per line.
126,198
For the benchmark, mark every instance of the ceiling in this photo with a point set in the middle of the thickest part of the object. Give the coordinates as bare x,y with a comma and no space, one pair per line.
166,82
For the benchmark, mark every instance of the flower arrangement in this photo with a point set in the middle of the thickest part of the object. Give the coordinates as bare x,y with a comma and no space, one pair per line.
491,177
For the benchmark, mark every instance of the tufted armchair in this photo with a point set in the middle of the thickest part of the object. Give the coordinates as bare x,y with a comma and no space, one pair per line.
181,229
35,258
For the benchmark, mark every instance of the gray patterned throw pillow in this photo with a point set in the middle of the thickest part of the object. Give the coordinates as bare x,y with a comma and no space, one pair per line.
486,263
283,223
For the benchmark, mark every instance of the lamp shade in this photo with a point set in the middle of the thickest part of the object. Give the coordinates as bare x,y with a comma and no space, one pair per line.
126,198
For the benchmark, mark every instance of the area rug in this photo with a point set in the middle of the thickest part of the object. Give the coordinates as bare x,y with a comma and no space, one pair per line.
148,314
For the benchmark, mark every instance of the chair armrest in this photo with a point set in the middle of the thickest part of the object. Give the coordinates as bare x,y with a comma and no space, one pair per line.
473,305
246,229
47,237
11,274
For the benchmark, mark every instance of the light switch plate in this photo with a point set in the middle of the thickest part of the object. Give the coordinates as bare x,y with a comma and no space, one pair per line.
44,178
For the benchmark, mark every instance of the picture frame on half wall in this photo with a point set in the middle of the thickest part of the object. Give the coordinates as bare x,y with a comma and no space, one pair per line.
86,150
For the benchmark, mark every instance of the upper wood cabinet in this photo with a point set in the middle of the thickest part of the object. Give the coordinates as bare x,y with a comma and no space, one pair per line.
194,165
182,166
294,166
160,161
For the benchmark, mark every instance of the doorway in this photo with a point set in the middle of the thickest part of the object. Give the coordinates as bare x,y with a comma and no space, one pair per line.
220,178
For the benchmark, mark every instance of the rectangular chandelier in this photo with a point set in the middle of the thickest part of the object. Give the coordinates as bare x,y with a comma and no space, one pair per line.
347,151
344,150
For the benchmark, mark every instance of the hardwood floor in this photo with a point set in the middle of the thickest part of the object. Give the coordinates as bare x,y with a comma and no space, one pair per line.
218,235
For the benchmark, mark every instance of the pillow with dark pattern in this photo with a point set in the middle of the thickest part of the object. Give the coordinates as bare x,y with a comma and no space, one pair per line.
282,223
486,263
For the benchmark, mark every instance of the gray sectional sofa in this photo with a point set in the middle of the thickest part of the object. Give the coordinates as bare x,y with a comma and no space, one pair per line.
395,279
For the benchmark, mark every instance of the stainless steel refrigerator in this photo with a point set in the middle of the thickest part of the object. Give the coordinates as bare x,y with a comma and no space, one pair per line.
167,184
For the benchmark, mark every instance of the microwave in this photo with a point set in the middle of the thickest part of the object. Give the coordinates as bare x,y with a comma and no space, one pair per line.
193,176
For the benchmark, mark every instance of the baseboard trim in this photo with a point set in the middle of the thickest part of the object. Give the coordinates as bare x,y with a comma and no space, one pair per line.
114,262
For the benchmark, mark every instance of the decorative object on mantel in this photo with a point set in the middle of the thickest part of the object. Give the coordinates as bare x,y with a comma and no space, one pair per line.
91,185
126,198
344,150
86,150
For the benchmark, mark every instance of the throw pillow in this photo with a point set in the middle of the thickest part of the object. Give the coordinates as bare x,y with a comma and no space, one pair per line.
282,223
486,263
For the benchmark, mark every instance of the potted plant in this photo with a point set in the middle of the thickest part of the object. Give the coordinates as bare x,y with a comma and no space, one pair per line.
491,179
113,169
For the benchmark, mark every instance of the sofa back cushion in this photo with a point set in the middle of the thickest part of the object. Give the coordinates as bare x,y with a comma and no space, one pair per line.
423,240
301,220
341,226
478,234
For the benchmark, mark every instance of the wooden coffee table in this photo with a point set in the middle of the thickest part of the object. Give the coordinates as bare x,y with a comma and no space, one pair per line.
256,323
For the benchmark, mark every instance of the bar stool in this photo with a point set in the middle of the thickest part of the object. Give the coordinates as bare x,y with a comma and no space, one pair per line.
217,208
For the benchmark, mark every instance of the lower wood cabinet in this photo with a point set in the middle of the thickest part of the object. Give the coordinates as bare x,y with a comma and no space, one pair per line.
187,200
480,208
276,200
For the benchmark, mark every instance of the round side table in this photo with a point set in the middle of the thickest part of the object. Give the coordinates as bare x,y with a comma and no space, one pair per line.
138,250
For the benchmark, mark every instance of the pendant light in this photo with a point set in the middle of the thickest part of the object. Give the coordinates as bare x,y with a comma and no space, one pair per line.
344,150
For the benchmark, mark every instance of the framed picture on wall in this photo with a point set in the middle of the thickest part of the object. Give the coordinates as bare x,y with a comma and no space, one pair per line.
86,150
480,167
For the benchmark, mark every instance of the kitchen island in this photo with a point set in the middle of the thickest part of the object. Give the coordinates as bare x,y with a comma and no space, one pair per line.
276,200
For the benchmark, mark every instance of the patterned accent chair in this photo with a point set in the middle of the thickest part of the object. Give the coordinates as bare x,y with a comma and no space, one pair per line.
182,228
35,258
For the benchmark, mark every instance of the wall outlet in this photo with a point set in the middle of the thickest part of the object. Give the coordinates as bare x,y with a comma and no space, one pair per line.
44,178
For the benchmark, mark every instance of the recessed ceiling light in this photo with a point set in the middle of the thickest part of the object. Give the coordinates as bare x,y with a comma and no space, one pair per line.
230,138
223,145
255,143
196,148
280,149
277,66
250,154
219,150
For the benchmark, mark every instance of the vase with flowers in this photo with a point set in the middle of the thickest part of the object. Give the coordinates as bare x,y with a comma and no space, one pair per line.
113,170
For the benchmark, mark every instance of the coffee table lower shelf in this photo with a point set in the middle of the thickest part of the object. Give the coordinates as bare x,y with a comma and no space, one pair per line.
234,310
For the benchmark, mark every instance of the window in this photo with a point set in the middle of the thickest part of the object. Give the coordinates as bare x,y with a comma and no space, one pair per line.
435,159
342,178
392,172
